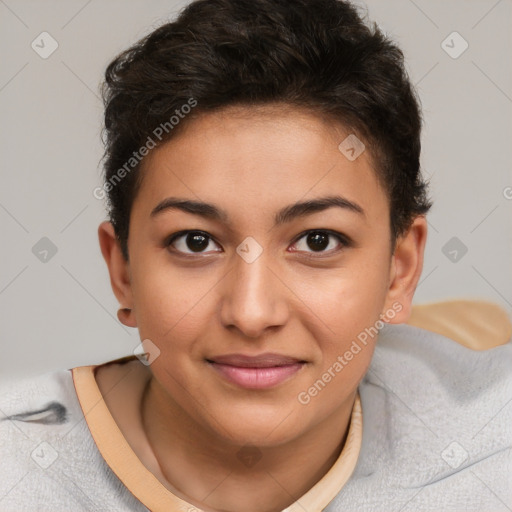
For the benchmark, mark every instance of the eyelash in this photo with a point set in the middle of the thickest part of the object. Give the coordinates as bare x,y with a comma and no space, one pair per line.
344,241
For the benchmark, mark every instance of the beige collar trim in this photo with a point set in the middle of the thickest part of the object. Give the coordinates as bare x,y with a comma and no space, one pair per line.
123,461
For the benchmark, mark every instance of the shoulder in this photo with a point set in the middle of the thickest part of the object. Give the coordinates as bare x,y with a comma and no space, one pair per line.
424,365
436,419
48,458
39,399
41,403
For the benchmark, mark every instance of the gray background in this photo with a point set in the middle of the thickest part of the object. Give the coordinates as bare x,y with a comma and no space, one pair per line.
61,312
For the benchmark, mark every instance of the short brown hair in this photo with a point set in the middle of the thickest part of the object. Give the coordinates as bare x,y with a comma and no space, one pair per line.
317,54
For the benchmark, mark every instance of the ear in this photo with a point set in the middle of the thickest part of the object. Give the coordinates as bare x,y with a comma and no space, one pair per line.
119,271
405,271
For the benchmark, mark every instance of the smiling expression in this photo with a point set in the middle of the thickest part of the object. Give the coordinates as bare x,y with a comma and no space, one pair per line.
253,235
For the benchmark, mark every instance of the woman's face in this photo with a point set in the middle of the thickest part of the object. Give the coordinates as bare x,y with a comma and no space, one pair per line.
259,273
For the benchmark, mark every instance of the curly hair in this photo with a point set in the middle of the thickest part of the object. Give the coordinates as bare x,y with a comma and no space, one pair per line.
313,54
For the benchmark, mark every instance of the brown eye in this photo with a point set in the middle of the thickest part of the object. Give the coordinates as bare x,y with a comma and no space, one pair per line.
317,241
196,242
320,241
189,242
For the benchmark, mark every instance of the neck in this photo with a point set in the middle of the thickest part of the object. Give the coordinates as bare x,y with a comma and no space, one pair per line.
216,474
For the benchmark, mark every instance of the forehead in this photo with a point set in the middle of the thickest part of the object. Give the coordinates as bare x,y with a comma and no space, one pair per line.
261,158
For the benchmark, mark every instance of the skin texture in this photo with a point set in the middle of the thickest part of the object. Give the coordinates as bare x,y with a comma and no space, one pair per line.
292,300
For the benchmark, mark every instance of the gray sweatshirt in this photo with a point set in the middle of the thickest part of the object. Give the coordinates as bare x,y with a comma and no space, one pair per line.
437,436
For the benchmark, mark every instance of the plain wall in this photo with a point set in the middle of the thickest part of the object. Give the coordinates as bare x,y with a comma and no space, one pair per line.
62,313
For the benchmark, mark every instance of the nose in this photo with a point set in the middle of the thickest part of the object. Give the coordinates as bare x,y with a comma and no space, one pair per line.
254,298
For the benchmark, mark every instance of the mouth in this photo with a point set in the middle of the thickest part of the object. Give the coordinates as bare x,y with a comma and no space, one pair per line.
256,372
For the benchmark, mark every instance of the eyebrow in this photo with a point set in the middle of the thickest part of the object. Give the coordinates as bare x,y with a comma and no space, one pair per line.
286,214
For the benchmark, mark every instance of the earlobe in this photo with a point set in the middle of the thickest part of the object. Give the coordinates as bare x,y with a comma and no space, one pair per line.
405,271
118,269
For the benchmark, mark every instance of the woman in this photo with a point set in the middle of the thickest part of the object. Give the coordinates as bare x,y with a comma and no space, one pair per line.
266,221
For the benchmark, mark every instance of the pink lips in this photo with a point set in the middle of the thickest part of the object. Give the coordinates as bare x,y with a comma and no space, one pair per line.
256,372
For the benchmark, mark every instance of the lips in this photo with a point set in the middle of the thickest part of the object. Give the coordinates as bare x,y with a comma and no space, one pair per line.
256,372
266,360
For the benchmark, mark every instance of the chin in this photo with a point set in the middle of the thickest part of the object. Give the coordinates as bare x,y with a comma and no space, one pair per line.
262,428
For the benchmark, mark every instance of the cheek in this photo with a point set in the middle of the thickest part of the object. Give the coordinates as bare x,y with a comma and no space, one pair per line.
345,308
170,302
346,299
